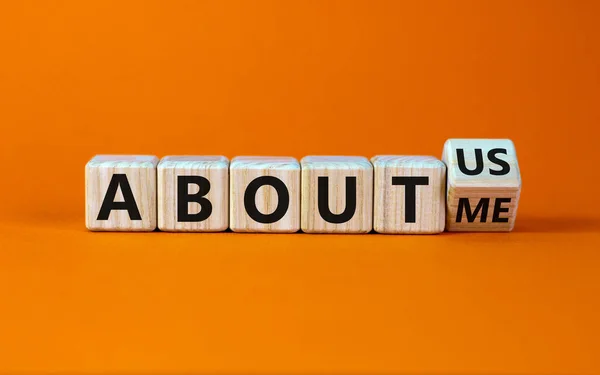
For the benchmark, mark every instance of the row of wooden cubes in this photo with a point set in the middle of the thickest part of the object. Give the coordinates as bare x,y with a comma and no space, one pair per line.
475,187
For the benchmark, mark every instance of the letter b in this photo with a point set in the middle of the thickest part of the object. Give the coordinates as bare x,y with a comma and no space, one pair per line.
183,198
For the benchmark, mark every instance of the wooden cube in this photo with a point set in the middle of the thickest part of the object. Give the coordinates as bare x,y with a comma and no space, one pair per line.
120,193
410,194
264,194
484,184
337,194
193,193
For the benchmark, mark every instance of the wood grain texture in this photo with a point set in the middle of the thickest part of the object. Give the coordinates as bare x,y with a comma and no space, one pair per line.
389,209
337,168
216,170
484,185
141,175
245,169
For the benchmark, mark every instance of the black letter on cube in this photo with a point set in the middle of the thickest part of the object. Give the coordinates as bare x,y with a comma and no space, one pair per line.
463,203
410,194
283,201
323,201
183,198
108,204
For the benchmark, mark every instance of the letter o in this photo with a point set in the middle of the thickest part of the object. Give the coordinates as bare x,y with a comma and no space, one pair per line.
283,199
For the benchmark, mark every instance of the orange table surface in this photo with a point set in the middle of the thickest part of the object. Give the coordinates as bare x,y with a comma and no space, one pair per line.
80,302
79,78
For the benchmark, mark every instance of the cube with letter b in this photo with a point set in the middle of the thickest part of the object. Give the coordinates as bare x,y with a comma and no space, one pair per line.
483,184
193,193
120,193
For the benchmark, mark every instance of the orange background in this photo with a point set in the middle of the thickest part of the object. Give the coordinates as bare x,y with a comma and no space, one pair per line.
295,78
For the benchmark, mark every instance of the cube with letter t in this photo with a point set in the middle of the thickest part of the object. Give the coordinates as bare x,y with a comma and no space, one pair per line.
483,184
410,194
120,193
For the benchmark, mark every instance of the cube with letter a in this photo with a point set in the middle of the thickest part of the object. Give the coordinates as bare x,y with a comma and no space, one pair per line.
120,193
483,185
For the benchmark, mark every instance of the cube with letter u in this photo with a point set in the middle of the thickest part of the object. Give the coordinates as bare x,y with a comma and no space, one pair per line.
337,194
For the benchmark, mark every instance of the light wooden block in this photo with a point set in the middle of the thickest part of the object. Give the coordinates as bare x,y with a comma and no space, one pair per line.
330,179
483,187
193,193
255,203
127,183
410,194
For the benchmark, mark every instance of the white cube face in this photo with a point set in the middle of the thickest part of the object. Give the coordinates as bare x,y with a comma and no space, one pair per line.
337,194
409,194
121,193
193,193
264,194
483,184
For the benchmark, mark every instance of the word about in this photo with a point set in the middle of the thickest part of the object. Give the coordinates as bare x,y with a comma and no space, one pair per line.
474,187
